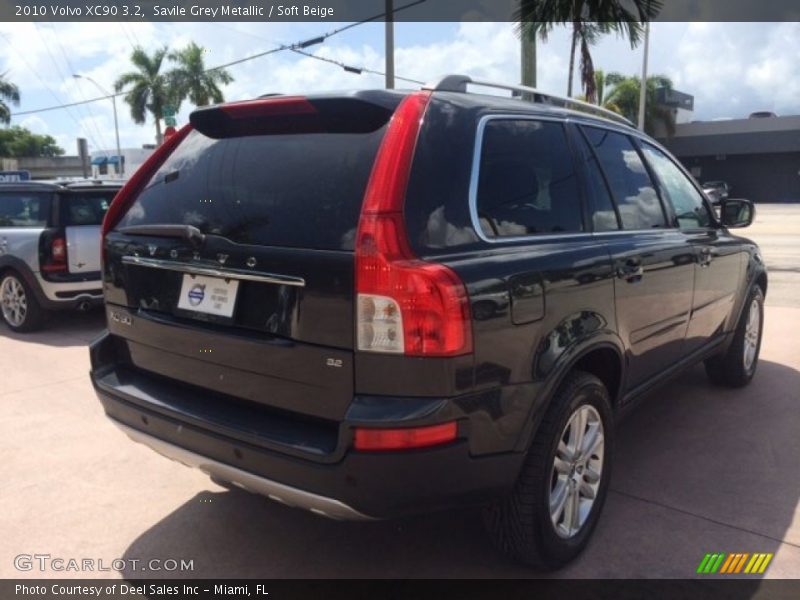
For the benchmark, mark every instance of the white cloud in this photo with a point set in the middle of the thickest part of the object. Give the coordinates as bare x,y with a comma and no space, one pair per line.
730,68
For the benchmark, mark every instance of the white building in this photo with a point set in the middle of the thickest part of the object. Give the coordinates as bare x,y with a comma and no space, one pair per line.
106,164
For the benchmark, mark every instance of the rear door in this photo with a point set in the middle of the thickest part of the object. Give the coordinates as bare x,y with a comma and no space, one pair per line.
23,216
235,264
81,213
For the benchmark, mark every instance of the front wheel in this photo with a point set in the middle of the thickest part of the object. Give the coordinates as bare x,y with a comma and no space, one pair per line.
549,517
736,367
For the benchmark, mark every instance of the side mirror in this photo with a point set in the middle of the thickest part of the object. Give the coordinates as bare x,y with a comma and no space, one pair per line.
737,213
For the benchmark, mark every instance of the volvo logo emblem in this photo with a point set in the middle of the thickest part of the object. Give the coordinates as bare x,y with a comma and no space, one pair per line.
173,253
251,262
196,294
152,248
222,258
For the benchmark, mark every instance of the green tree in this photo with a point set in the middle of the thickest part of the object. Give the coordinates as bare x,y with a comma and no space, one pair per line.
600,86
192,80
148,89
588,19
9,94
623,97
17,141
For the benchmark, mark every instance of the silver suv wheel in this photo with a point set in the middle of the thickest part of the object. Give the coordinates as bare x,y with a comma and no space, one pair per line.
752,331
13,300
577,471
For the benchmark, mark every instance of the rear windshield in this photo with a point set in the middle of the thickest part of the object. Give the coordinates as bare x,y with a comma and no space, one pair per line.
299,190
85,208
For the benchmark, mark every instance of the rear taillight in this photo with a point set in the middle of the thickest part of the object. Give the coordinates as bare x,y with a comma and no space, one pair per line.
126,196
404,305
56,258
404,439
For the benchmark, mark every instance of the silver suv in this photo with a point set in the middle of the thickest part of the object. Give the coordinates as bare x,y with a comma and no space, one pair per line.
50,248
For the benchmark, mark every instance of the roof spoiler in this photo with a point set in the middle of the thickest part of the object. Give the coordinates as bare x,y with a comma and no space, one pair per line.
284,115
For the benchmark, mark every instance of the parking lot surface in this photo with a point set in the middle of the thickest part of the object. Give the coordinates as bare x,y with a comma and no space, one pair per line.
697,469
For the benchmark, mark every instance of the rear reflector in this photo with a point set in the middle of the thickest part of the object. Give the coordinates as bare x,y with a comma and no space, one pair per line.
404,305
405,439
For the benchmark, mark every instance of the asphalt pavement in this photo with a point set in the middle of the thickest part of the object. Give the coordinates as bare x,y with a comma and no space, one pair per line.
697,469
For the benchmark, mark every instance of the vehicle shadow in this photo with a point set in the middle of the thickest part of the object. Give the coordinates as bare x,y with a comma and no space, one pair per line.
63,329
692,467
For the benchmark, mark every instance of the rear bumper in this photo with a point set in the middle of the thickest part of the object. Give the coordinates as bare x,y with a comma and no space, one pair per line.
313,468
279,492
83,292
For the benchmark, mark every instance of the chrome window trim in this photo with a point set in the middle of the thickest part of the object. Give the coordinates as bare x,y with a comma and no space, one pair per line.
209,271
473,190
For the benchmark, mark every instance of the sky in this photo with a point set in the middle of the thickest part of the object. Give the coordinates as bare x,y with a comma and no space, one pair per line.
731,69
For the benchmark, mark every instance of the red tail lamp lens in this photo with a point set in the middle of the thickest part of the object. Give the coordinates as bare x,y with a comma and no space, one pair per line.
405,439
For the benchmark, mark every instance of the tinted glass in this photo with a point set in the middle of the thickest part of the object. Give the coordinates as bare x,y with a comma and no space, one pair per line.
85,208
690,210
631,186
300,190
24,209
526,181
604,217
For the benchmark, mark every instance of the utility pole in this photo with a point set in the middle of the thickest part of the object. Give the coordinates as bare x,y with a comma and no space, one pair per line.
120,160
643,86
389,45
528,55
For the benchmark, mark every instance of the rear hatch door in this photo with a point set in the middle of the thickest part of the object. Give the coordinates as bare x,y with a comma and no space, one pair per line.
81,214
235,263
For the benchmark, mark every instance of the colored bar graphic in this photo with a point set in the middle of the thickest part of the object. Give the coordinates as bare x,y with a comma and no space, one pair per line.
718,562
703,563
734,563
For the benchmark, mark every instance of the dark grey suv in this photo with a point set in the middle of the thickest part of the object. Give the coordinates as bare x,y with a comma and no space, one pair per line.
381,303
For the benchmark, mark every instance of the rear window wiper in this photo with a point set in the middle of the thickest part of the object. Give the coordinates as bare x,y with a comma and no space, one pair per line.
187,232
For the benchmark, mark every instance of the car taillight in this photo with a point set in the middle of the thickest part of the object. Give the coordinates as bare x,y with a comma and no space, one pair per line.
57,259
404,305
404,439
126,196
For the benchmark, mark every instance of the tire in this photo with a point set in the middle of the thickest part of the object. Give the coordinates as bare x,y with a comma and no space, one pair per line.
18,305
521,525
737,365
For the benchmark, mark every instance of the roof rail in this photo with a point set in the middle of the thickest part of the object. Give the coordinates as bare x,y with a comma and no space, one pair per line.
458,83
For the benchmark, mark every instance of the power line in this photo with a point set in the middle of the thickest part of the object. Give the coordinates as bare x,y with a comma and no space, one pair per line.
352,69
297,46
42,81
72,71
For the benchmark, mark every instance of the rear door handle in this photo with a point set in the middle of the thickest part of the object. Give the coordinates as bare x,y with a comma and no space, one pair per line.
631,270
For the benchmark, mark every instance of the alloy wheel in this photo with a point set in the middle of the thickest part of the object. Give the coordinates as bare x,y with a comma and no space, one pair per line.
752,333
13,300
577,471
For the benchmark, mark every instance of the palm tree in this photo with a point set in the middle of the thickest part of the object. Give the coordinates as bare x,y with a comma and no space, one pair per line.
149,90
191,79
624,98
600,85
589,19
9,94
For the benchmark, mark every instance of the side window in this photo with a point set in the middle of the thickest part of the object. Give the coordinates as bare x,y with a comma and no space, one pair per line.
604,215
526,180
690,209
631,186
18,209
